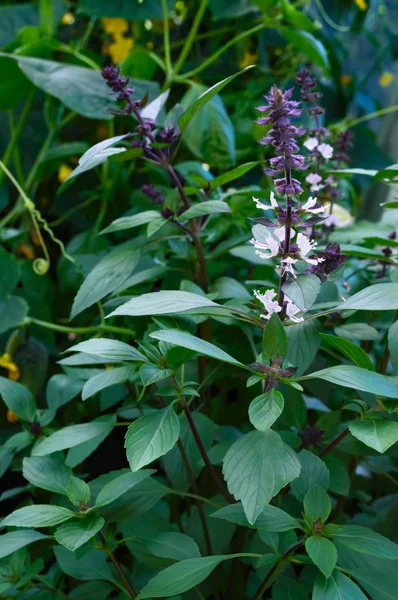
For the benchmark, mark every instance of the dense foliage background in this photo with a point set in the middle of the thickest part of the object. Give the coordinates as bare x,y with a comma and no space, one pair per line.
143,208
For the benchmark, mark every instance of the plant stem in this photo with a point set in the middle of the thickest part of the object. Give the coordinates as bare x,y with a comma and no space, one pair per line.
17,131
202,449
91,329
214,56
373,115
132,593
271,575
195,488
166,40
191,36
334,443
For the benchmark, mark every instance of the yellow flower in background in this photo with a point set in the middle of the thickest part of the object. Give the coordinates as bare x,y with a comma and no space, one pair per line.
63,172
6,362
361,4
386,79
345,79
248,59
121,46
68,19
11,417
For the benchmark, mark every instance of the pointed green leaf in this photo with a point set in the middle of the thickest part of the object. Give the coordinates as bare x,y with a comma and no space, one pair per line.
382,296
106,379
133,221
265,409
18,399
313,472
256,467
71,436
38,515
74,534
355,353
14,540
274,338
171,544
209,207
317,504
337,587
366,541
47,473
357,379
111,272
151,436
119,486
110,350
187,340
303,290
323,554
376,433
270,518
78,491
162,303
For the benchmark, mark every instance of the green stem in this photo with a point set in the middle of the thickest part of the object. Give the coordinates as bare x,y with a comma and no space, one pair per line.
17,131
64,329
191,36
373,115
166,40
81,44
271,575
195,496
214,56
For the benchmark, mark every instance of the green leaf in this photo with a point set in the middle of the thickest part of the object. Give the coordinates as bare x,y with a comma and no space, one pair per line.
13,311
309,45
382,296
14,540
10,272
313,472
393,346
61,389
92,565
357,379
119,486
18,399
80,89
323,554
111,272
303,344
256,467
38,515
172,461
297,18
226,287
47,473
77,454
106,379
377,434
232,175
355,353
78,492
366,541
14,86
303,290
210,134
378,584
95,156
337,587
189,114
110,350
151,437
357,331
209,207
171,544
186,340
270,518
317,504
71,436
274,338
265,409
162,303
131,222
180,577
74,534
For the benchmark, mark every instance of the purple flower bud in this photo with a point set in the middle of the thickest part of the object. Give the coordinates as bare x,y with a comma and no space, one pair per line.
332,260
311,436
168,135
343,145
152,193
